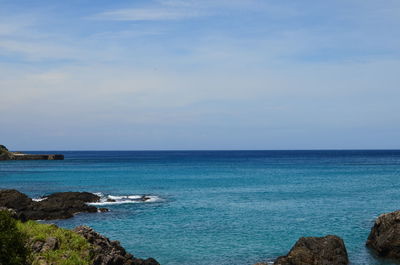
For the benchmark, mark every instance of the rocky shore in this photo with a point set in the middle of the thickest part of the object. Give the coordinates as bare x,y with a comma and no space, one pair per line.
328,250
50,245
5,154
60,205
109,252
384,238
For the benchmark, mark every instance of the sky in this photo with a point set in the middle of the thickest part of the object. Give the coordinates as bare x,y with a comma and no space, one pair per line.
199,74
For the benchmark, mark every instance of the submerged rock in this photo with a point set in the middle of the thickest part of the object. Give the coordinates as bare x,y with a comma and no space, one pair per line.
328,250
107,252
60,205
384,237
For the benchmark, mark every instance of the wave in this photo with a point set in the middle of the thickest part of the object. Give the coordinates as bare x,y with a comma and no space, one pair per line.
124,199
39,199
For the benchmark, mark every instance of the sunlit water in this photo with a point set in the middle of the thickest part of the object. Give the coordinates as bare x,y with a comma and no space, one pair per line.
223,207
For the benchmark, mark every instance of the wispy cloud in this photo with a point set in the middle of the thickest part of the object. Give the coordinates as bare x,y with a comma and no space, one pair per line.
227,66
145,14
176,10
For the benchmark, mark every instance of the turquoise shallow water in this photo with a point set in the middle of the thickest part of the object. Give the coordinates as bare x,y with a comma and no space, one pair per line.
236,207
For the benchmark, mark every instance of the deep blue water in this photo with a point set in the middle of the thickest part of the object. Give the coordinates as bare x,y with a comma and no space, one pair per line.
223,207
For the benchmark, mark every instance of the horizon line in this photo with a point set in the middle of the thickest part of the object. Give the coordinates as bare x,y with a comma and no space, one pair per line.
206,150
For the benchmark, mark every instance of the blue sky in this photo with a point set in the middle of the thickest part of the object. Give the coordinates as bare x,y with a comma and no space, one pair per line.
192,74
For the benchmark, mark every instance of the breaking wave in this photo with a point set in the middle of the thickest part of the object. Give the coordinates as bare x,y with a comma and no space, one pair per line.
113,199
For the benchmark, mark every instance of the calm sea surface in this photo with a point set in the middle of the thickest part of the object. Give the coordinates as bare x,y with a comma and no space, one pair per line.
217,207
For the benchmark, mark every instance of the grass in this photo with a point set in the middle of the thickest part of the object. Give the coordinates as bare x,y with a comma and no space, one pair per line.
73,248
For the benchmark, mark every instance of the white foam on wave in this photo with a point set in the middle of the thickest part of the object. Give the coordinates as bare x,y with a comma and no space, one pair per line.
124,199
39,199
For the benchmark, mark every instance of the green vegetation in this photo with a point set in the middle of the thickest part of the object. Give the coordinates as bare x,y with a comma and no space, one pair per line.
73,249
17,239
12,241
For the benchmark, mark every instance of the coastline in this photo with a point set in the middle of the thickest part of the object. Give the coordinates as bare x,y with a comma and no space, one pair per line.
251,206
6,155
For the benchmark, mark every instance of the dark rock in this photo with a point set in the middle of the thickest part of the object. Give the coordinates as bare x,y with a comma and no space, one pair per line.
60,205
103,210
385,234
144,198
108,252
111,200
328,250
14,199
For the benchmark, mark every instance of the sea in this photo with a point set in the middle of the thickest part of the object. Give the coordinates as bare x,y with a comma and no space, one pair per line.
221,207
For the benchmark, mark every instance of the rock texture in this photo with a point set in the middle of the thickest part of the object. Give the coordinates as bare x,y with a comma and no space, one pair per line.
328,250
51,243
384,237
5,154
56,206
107,252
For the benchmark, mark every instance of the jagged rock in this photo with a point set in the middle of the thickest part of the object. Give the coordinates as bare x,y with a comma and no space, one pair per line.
60,205
328,250
384,237
51,243
107,252
37,246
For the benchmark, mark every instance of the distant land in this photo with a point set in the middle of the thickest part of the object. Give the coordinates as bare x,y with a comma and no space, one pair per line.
5,154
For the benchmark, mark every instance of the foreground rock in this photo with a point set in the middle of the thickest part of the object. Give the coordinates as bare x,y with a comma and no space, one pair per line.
60,205
384,237
328,250
108,252
5,154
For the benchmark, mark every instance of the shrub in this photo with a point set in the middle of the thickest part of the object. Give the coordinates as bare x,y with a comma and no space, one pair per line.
12,241
73,248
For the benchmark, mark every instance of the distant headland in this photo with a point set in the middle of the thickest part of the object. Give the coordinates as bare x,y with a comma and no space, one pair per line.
5,154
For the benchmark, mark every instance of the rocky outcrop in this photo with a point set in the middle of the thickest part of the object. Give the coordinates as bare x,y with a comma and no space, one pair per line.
21,156
384,237
50,243
5,154
55,206
328,250
107,252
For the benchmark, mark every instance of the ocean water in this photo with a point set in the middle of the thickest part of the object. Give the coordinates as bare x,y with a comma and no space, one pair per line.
223,207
